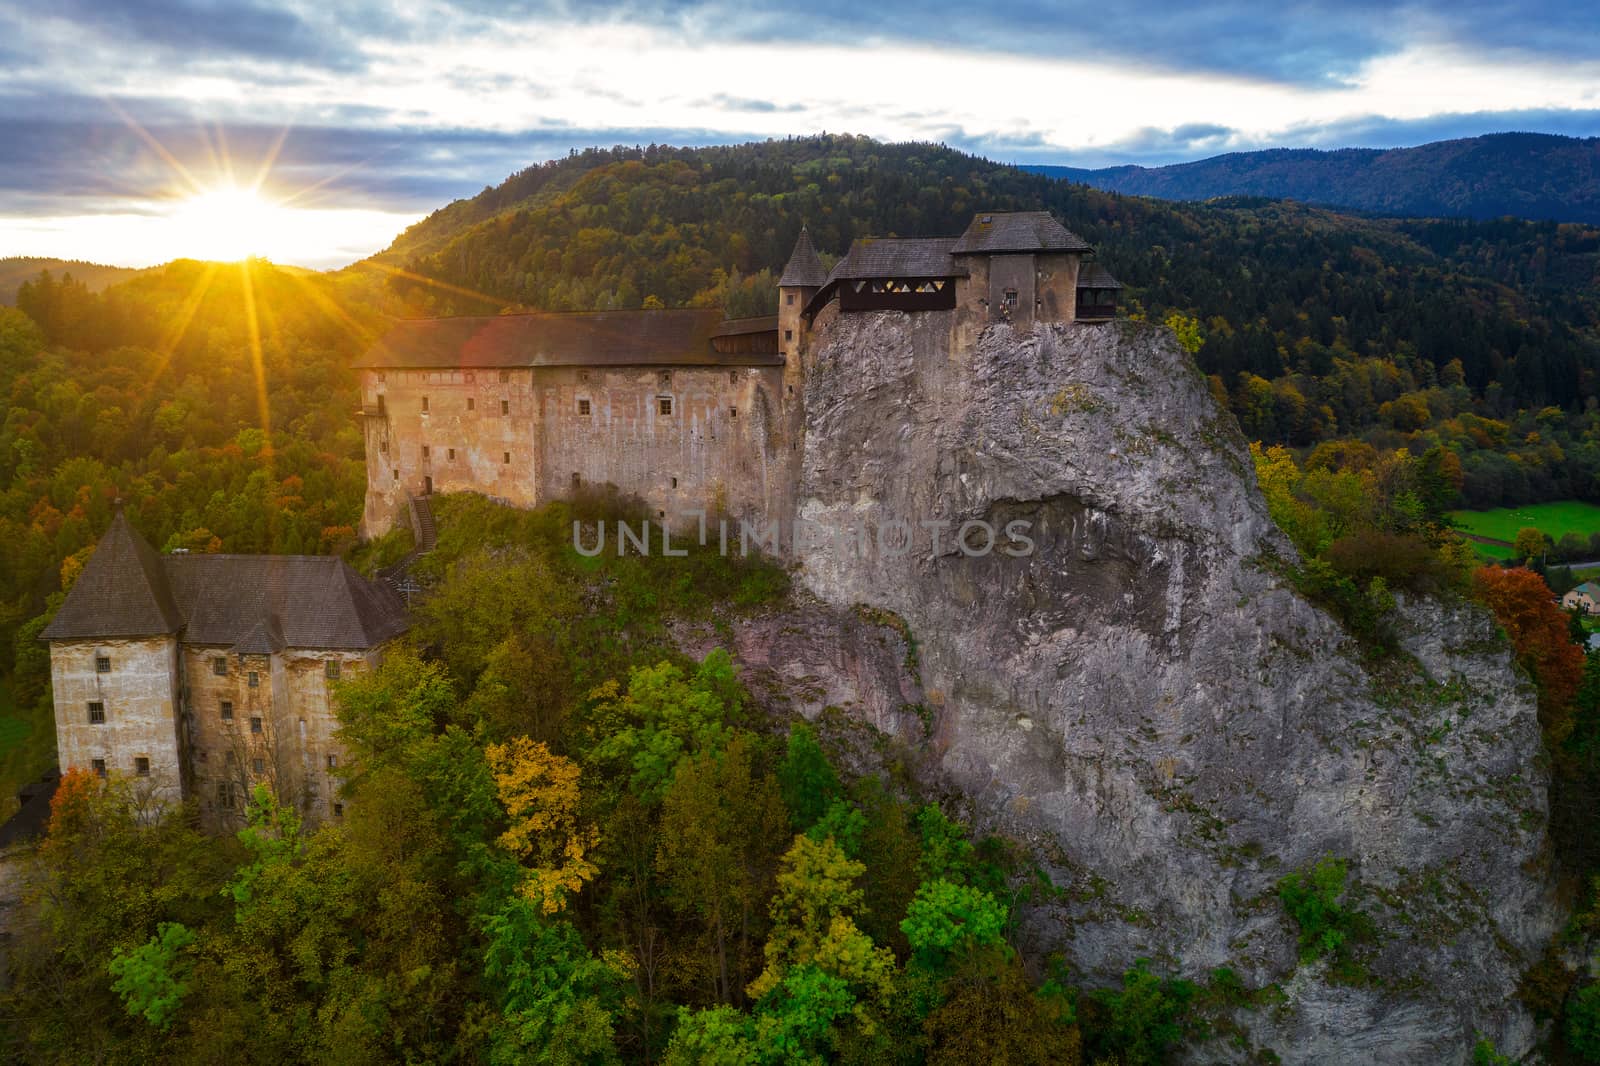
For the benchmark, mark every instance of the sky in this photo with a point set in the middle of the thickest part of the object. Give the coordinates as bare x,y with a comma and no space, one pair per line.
312,132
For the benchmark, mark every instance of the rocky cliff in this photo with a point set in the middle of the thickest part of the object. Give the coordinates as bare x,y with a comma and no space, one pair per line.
1144,700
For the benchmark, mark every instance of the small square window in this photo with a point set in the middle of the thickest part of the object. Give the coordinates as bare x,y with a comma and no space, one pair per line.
472,404
788,334
666,377
674,482
255,679
1011,297
255,725
225,795
338,810
583,407
664,404
424,451
505,407
583,375
397,475
258,766
450,453
141,766
507,458
383,446
733,377
227,710
97,713
219,666
333,761
505,375
788,298
733,412
330,669
99,767
424,405
102,664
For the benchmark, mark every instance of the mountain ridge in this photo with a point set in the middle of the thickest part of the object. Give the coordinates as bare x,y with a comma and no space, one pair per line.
1537,176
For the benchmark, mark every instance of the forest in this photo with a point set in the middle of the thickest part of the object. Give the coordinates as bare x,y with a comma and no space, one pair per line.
568,842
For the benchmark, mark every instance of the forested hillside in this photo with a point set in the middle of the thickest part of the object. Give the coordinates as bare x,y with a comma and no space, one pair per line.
18,269
1478,336
1523,175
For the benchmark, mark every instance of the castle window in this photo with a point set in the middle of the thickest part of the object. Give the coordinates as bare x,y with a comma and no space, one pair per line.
1011,298
666,377
424,405
472,405
505,407
333,762
577,481
450,453
583,407
791,390
255,679
258,766
733,412
397,475
788,298
219,666
583,375
424,451
330,669
664,404
231,758
227,710
141,766
255,725
788,334
507,458
102,664
99,767
338,810
225,795
97,713
505,376
674,482
383,446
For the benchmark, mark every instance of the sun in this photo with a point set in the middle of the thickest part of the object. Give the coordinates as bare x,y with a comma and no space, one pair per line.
228,223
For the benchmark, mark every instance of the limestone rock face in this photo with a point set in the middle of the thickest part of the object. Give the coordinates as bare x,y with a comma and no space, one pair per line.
1144,700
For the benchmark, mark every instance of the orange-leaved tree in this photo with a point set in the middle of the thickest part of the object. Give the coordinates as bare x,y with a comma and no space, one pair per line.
1524,606
539,791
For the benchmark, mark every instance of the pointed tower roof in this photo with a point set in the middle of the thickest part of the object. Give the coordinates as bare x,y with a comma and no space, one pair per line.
122,592
804,269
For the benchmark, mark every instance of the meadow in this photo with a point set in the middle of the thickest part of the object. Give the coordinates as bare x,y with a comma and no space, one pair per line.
1554,520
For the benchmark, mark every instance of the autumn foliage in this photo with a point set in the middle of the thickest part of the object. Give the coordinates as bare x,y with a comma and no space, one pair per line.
1526,610
540,793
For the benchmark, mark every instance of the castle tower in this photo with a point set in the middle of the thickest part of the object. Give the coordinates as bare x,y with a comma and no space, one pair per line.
801,279
114,668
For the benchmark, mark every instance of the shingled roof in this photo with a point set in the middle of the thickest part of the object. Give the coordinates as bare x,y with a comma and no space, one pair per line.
263,603
899,257
1095,276
589,338
122,592
804,269
1017,231
251,604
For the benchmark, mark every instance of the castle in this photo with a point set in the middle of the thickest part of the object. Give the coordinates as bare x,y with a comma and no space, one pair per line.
681,409
198,676
202,675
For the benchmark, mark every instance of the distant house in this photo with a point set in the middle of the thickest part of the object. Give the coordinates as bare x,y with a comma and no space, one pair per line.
1586,596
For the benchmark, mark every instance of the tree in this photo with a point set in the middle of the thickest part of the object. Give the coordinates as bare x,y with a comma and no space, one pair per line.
722,823
1312,898
152,978
810,783
1537,628
991,1015
1583,1023
540,793
947,919
1529,543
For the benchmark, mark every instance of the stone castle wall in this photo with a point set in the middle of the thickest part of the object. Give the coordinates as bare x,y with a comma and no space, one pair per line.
138,695
718,444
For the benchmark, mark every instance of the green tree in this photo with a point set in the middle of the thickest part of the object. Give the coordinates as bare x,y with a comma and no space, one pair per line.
947,919
810,783
152,978
1528,544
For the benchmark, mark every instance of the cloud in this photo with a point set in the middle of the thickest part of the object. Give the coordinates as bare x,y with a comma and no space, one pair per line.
208,28
724,102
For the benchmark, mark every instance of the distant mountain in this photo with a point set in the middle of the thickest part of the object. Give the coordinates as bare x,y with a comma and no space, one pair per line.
16,269
1525,175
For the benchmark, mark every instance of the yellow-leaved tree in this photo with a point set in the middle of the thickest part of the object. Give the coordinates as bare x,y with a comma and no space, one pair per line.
539,790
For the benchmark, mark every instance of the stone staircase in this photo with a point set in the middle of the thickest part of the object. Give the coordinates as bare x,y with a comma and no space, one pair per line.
424,536
422,526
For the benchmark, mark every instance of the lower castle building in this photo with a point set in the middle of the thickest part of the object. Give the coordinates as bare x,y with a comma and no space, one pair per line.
200,676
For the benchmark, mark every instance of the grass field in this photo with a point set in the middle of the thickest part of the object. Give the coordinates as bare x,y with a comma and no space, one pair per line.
27,748
1554,520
